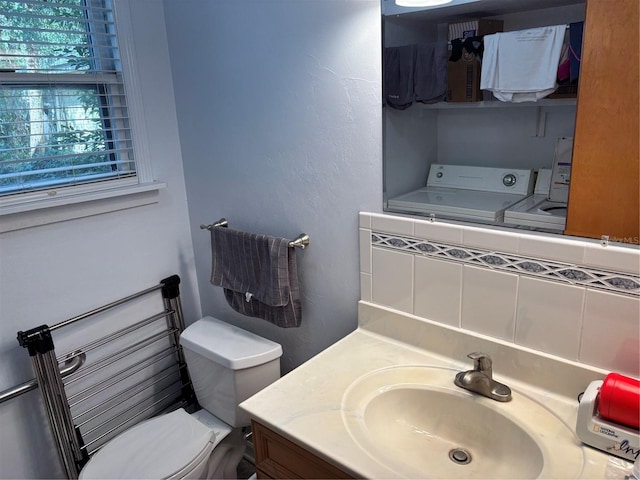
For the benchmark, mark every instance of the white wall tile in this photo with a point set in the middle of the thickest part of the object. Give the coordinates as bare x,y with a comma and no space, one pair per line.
489,302
365,250
438,231
387,223
549,316
537,313
365,287
438,290
364,220
552,248
622,259
496,240
392,282
611,332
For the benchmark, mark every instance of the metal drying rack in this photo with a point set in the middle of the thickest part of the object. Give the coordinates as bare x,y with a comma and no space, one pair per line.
130,374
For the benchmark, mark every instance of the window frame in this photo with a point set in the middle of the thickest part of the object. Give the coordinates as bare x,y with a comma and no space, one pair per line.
50,205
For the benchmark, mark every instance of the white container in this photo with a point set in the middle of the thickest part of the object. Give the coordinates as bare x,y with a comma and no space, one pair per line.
227,365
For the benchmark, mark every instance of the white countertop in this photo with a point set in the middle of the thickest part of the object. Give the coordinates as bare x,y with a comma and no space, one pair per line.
305,405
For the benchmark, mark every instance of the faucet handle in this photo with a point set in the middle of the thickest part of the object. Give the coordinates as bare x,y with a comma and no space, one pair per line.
481,362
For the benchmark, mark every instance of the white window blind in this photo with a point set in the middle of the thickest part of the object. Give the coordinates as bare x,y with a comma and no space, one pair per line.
63,112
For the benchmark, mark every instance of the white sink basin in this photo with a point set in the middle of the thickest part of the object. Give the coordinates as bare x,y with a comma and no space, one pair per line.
418,424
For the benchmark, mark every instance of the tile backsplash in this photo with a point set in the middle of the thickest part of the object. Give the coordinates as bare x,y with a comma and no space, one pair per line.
573,298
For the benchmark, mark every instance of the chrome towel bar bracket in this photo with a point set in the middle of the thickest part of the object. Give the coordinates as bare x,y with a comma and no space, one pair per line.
220,223
302,241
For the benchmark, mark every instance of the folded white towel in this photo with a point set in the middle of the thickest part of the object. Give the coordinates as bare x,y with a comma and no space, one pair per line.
523,65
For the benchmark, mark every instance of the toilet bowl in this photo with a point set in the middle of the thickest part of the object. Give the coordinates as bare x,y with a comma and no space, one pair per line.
226,365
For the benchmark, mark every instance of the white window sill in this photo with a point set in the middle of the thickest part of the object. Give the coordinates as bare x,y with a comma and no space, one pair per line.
53,210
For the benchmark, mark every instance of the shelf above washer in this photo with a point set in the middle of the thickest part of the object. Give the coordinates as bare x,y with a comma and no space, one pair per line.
545,102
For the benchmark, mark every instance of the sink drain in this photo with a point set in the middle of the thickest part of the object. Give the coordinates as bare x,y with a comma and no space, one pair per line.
460,456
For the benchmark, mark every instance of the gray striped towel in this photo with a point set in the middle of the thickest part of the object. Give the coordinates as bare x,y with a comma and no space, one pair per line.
258,274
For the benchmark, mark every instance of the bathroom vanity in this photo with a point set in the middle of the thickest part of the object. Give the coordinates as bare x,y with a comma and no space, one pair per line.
381,403
277,457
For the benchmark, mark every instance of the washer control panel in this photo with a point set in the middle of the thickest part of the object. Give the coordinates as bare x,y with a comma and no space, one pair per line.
487,179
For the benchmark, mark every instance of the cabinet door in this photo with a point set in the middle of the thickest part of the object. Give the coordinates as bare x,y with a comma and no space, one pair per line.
277,457
604,196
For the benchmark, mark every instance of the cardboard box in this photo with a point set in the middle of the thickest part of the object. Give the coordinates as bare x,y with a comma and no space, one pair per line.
463,80
463,84
474,28
561,172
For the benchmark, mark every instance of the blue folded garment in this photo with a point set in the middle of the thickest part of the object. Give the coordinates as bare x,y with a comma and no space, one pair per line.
575,49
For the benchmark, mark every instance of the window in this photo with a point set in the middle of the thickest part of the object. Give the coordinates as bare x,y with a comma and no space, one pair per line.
64,123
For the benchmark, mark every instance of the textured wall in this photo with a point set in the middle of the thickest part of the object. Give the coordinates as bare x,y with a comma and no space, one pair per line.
280,126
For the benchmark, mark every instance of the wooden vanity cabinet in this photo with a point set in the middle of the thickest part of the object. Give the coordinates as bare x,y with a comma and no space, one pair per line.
604,196
277,457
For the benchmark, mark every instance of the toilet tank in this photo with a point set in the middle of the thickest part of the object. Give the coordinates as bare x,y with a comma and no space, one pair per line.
227,365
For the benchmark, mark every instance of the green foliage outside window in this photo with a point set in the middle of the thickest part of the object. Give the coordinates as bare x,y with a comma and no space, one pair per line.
47,129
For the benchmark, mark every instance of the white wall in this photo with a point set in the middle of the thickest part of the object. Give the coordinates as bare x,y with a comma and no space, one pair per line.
54,272
280,122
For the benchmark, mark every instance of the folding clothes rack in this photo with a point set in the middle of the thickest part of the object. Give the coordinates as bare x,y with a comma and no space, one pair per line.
115,380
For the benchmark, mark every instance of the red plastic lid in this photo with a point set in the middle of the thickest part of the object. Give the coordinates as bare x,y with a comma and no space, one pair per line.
619,400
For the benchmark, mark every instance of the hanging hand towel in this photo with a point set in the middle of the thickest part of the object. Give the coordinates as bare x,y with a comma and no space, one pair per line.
258,274
522,66
398,76
430,75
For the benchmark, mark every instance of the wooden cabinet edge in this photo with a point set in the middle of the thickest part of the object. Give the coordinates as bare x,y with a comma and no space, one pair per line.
298,462
604,197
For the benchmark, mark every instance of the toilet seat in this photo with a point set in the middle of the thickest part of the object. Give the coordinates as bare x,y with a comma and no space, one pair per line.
167,446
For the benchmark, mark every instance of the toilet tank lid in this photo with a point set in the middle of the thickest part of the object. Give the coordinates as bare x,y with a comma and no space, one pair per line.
228,345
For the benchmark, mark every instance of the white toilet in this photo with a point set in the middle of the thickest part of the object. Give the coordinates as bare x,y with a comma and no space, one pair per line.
227,365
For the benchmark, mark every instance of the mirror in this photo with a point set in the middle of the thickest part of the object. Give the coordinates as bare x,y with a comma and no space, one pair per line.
456,152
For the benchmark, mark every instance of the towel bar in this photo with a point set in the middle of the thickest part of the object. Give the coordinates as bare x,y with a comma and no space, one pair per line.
301,241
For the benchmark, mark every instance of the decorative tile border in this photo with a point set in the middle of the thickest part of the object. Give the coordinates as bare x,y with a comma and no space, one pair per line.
625,284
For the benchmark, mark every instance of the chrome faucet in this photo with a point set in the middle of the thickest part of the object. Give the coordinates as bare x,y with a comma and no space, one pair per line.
480,379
